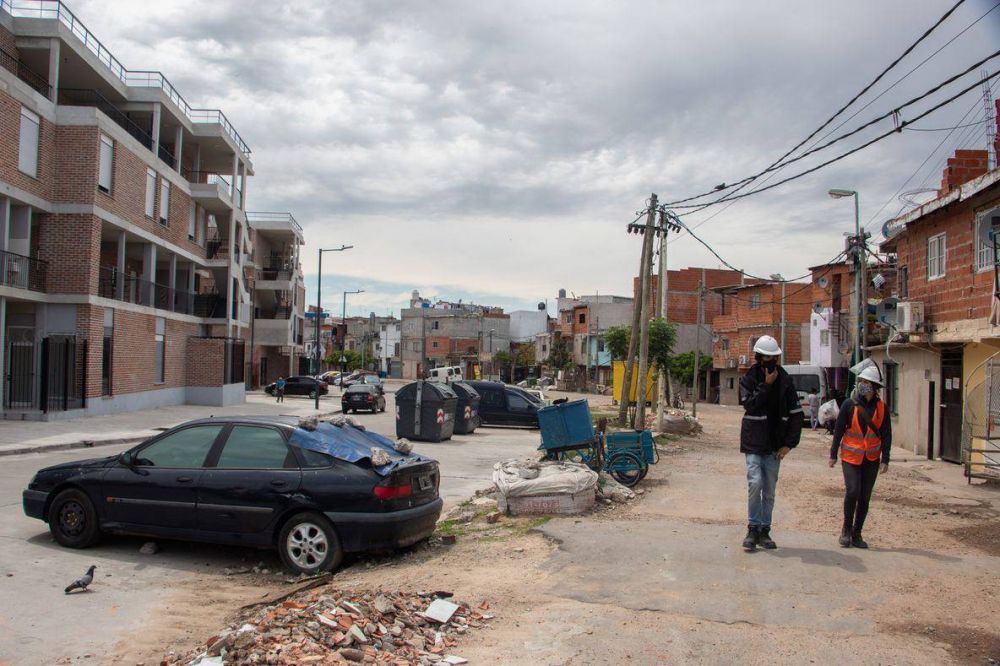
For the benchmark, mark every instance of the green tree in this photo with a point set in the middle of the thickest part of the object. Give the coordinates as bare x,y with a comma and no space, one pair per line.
560,357
353,358
526,356
616,341
682,367
662,338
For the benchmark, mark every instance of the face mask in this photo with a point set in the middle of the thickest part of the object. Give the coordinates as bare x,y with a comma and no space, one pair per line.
865,389
770,365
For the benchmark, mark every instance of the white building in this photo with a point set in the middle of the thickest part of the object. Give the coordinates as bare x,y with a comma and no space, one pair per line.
526,324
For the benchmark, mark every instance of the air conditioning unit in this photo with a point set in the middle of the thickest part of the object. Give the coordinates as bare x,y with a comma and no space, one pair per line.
731,363
743,359
909,316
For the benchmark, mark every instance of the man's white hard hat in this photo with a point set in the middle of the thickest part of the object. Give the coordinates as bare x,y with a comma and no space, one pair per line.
767,346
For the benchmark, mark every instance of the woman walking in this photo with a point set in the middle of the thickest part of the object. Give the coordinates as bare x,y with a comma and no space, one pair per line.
863,436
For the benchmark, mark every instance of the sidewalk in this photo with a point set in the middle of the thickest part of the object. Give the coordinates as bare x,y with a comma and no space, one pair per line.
34,436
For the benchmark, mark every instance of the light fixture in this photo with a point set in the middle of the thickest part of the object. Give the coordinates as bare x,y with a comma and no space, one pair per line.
840,194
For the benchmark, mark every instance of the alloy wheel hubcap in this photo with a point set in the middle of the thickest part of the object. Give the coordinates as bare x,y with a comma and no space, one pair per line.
307,545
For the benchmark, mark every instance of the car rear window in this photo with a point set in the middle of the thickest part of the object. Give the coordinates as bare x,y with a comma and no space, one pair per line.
315,458
255,447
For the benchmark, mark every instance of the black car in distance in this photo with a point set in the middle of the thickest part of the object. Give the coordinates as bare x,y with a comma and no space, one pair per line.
300,385
362,396
243,481
502,404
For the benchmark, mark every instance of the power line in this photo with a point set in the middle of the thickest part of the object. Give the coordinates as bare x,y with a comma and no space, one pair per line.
942,129
838,112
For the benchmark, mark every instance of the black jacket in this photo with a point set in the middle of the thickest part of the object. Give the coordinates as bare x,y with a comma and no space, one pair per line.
773,417
844,422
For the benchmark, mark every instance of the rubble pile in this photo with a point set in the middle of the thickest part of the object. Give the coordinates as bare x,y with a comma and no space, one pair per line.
675,421
328,626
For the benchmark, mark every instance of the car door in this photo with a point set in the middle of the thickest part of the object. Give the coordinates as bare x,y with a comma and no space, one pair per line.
491,405
156,485
521,410
251,478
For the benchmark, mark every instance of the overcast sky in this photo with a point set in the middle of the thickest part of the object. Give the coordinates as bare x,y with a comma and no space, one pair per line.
496,151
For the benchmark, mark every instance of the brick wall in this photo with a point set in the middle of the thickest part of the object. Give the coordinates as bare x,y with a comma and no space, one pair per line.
682,292
826,295
963,167
8,42
90,326
206,361
71,244
135,353
10,133
743,323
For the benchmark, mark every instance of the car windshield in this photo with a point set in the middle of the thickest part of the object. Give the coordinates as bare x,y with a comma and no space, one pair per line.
371,379
358,388
805,383
527,396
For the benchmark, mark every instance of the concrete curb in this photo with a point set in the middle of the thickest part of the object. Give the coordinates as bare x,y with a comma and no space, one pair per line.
94,443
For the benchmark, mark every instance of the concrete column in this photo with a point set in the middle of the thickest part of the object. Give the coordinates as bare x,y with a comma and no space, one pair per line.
149,272
156,128
4,224
236,171
120,286
231,295
190,277
197,157
172,281
3,348
243,187
179,146
54,60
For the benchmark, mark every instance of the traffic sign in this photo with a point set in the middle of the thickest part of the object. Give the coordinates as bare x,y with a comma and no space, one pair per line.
312,315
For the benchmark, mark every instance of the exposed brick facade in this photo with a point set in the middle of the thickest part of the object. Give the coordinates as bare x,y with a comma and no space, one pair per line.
682,292
743,322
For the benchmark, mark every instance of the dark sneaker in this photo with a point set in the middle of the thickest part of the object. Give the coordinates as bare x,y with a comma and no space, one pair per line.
857,541
845,538
764,539
750,540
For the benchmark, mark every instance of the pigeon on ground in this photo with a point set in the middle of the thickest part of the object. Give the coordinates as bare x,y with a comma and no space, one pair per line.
82,582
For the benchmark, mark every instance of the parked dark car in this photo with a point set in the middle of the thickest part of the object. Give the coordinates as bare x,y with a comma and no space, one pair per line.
363,377
244,481
300,385
362,396
501,404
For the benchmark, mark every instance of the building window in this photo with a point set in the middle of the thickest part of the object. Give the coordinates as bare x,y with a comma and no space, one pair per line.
754,301
904,282
545,348
984,244
164,201
583,318
569,318
936,256
824,338
434,344
600,344
106,165
731,383
108,351
150,193
161,350
891,373
583,346
27,157
725,344
192,221
435,325
395,349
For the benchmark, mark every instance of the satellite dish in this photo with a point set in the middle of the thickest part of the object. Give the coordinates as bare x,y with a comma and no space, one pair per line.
823,282
715,338
818,308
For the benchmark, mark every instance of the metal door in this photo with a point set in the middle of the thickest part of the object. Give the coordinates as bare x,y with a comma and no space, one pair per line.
951,405
20,365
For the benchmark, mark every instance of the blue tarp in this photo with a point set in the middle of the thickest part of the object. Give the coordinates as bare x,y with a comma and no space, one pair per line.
352,444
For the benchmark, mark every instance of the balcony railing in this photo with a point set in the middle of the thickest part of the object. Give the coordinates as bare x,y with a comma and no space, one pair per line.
153,294
209,177
275,274
258,219
22,272
15,66
167,156
57,11
87,97
280,312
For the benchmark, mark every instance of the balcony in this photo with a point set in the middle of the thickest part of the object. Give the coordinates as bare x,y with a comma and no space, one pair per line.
54,10
275,222
213,191
92,98
22,272
112,284
25,73
274,332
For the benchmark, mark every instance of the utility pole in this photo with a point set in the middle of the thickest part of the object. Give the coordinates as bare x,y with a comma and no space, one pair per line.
697,345
783,317
319,307
640,391
637,312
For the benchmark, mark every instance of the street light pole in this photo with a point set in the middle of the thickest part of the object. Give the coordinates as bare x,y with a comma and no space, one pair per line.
319,309
343,321
860,279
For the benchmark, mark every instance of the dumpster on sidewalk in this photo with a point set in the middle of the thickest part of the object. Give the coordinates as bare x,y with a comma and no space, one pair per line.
467,417
425,411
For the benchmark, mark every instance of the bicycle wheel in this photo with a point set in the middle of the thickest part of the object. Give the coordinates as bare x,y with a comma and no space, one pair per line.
626,467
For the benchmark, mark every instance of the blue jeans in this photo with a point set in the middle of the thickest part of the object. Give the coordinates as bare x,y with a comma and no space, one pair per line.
762,478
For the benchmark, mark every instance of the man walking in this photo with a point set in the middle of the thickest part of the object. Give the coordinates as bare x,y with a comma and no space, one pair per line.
813,401
279,389
771,428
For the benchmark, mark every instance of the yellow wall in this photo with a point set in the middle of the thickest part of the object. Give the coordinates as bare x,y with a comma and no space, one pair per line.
619,379
974,361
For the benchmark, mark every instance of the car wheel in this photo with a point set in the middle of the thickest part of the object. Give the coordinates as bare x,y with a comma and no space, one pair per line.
308,544
73,519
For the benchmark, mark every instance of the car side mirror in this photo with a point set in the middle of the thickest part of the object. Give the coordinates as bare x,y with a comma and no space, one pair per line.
127,458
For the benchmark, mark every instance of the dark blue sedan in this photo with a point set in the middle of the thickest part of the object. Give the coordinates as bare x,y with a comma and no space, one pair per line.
254,481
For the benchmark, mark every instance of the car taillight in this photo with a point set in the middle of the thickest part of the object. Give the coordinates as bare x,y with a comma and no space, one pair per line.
369,397
323,385
393,492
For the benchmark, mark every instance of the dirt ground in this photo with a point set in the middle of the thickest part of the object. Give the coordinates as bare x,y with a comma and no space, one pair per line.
921,509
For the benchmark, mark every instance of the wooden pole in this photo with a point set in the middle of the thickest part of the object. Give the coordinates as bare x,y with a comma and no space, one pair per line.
633,341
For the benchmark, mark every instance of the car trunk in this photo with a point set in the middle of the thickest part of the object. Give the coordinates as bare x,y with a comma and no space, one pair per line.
418,483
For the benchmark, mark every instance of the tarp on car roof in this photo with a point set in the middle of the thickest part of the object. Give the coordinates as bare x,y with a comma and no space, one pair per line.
352,445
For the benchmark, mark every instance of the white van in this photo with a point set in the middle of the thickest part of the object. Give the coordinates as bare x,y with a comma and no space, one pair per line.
808,378
447,374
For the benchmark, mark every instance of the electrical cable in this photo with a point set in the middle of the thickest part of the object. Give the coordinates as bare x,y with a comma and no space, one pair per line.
942,129
864,90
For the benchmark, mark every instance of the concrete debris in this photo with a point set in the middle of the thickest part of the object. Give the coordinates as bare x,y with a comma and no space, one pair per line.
149,548
493,517
341,421
610,490
403,445
484,502
676,422
327,626
379,457
308,423
236,571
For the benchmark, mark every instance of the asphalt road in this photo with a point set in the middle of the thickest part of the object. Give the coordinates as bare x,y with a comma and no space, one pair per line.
39,624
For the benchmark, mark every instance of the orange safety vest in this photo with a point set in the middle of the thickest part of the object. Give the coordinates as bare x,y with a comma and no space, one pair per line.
858,444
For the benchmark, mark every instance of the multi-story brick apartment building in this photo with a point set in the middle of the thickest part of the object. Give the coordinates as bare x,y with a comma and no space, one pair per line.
444,334
935,366
748,313
126,257
582,322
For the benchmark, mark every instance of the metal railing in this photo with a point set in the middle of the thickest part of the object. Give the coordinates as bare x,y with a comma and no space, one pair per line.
209,177
57,11
153,294
264,217
275,274
280,312
22,272
92,98
166,156
17,67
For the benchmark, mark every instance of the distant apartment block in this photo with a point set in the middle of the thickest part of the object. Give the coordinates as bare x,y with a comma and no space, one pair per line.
128,264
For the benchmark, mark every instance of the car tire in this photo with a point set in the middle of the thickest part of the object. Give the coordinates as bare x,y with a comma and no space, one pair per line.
73,519
308,544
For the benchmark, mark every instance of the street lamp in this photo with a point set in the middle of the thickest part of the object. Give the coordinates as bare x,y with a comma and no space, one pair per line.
343,320
860,282
319,308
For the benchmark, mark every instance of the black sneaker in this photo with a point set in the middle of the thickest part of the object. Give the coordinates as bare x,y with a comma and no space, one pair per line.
845,538
857,541
750,540
764,538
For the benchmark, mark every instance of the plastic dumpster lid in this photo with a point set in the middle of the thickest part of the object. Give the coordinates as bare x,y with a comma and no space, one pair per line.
463,390
440,389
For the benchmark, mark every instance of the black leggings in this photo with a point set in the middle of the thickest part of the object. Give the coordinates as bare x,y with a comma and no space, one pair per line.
859,481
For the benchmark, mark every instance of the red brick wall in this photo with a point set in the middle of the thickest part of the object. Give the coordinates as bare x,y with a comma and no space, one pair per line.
743,323
825,295
8,42
206,360
135,353
71,244
10,133
963,167
90,326
682,292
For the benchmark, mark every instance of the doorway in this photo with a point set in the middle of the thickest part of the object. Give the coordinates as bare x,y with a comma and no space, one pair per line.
20,367
931,411
951,405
